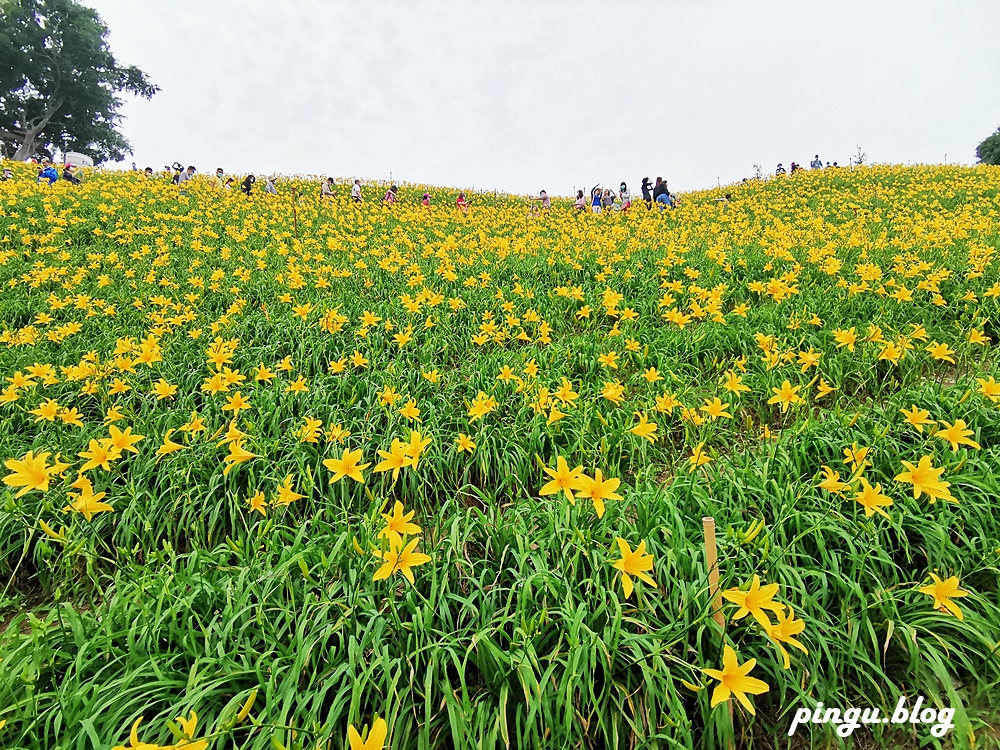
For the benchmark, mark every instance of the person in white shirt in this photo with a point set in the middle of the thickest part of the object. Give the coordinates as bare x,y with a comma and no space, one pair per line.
625,197
356,191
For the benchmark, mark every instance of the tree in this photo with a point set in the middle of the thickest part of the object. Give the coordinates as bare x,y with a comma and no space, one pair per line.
59,82
988,152
860,157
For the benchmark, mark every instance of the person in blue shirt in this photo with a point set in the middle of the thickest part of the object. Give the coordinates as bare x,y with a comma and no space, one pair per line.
48,172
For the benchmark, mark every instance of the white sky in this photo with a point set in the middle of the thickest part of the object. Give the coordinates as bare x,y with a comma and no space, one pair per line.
521,95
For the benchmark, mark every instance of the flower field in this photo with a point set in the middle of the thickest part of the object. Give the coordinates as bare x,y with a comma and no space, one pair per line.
276,470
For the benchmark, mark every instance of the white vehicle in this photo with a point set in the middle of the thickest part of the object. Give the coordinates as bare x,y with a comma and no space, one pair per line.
78,159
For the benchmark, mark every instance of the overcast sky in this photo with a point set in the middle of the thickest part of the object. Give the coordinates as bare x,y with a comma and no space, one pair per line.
521,96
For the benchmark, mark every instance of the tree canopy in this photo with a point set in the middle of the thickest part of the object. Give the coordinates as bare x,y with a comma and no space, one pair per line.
989,150
60,84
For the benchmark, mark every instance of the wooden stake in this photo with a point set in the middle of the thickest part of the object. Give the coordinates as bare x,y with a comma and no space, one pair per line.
712,564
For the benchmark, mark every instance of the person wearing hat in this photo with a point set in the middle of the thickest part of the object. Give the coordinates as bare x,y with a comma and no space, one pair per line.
69,176
8,174
426,200
269,186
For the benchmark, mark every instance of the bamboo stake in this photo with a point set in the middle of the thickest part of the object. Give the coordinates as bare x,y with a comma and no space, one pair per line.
712,564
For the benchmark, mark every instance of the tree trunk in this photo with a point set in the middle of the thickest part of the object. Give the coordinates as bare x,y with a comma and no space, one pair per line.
26,149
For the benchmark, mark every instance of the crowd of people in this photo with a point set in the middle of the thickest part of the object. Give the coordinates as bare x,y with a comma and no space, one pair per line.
606,199
601,199
47,172
816,163
219,181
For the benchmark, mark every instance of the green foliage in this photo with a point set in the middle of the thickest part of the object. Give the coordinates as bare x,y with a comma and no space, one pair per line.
59,81
988,152
516,634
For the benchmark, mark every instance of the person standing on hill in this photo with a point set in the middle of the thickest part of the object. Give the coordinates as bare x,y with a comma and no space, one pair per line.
186,175
595,199
248,184
779,170
356,192
816,163
646,192
425,201
269,186
217,182
389,198
625,197
326,188
461,204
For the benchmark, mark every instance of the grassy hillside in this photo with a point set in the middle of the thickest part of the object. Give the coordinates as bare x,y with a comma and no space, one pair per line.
217,415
